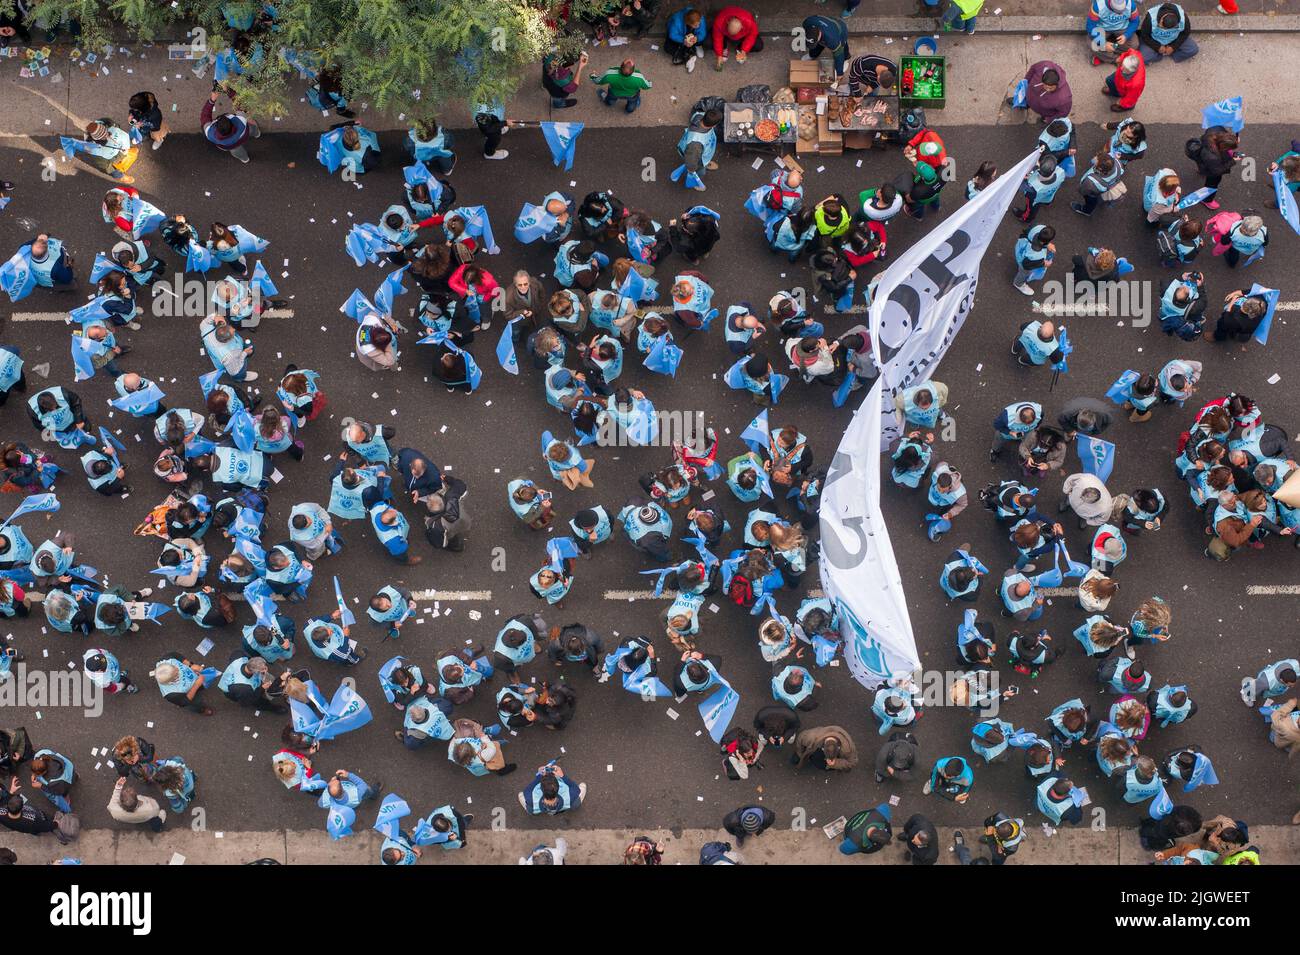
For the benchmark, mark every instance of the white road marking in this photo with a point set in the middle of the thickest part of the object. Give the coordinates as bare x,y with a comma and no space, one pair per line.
1058,591
452,595
1288,307
39,317
1273,590
1069,309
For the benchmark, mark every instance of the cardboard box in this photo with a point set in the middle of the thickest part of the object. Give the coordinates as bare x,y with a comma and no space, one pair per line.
829,142
806,73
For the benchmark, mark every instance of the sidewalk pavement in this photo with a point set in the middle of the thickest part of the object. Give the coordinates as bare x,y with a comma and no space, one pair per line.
982,66
1278,845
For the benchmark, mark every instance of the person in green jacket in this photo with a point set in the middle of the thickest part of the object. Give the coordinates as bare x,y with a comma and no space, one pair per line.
625,82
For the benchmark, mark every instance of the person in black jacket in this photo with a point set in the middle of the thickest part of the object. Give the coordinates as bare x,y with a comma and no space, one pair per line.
21,816
1241,315
694,235
1175,29
1214,154
922,841
748,821
897,757
776,724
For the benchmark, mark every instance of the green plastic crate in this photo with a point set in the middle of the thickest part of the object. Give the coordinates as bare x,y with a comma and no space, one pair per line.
928,85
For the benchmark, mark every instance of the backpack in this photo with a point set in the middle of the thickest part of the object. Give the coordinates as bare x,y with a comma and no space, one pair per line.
1166,245
1192,149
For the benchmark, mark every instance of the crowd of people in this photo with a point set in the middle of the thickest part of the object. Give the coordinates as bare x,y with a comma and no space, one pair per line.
627,286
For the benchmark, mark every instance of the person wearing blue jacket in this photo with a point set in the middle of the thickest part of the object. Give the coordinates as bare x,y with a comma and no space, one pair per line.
687,31
827,35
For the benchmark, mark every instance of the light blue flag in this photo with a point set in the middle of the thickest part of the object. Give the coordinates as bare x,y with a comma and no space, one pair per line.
1286,201
506,356
346,617
46,503
418,173
249,244
1192,198
664,356
1096,455
357,306
262,282
477,225
560,549
1270,296
154,611
103,265
533,223
107,439
1120,391
82,350
1020,96
347,711
562,138
92,311
16,276
717,711
779,381
71,147
757,434
138,401
339,820
242,430
1226,112
365,243
199,258
389,289
209,381
263,607
1161,805
226,65
473,373
845,388
391,811
145,216
330,151
638,288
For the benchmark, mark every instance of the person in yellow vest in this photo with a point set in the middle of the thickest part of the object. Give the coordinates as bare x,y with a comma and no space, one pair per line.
961,15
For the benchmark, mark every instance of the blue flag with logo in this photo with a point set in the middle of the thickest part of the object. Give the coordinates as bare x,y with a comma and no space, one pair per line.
1122,390
638,288
1020,96
562,138
757,434
664,356
262,282
506,356
719,709
103,265
249,243
358,306
533,223
242,430
1270,296
1066,348
137,401
330,151
389,289
46,503
92,311
16,276
1226,112
71,147
346,617
391,811
1096,455
1286,201
83,349
339,820
107,439
199,258
365,243
477,225
1192,198
209,381
560,549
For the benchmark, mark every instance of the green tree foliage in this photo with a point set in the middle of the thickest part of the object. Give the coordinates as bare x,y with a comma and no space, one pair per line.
422,58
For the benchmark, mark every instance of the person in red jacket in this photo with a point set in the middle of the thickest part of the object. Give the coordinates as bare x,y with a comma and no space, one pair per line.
735,26
1127,82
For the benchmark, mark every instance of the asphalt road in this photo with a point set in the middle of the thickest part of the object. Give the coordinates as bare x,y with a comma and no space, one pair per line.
642,766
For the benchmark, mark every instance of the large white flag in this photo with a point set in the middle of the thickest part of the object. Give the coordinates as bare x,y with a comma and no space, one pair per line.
920,303
923,298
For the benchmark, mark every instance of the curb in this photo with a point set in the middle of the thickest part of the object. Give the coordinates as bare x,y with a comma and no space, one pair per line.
1045,26
1279,845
